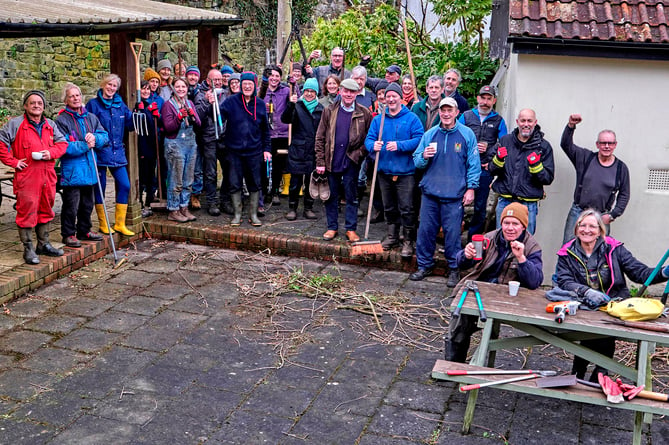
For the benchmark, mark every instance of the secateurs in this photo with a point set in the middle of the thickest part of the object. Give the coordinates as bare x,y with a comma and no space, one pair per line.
470,285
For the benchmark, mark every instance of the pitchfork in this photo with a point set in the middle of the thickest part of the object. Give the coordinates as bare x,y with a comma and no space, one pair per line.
138,116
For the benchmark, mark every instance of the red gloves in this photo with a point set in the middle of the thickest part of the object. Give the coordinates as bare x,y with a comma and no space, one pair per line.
191,112
153,108
501,153
140,106
183,113
533,158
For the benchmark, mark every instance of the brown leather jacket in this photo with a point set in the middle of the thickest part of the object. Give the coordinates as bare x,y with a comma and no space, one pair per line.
325,135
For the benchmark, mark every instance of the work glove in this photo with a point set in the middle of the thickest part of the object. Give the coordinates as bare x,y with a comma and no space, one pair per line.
665,271
266,73
533,158
239,68
595,299
364,60
183,113
191,112
139,106
153,108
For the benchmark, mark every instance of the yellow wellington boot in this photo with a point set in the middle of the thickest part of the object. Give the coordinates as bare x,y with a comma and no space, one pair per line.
119,225
286,184
104,227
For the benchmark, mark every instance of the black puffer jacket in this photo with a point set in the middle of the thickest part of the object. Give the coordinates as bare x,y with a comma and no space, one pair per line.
515,178
301,154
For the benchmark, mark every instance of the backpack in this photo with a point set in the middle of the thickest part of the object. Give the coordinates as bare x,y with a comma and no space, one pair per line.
635,309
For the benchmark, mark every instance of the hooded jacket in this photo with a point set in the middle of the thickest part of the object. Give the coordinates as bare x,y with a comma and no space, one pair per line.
610,261
116,118
247,127
515,178
301,153
76,165
404,128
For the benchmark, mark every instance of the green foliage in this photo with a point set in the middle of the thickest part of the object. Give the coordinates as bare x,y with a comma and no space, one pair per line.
379,33
469,14
4,116
260,18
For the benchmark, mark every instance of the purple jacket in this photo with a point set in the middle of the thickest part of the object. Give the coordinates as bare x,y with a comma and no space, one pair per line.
279,100
172,118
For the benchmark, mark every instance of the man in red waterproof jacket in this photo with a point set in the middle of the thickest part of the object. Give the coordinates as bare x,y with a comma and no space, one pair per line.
30,144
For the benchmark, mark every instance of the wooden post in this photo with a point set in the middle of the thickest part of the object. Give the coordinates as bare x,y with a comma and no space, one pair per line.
122,62
284,24
207,50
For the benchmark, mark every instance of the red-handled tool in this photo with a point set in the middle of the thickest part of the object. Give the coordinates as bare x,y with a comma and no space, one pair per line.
501,372
498,382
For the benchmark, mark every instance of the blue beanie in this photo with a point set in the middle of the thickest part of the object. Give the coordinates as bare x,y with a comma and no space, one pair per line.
249,75
226,69
193,69
311,84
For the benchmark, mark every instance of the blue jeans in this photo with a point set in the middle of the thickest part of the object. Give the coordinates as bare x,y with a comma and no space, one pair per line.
532,209
435,213
180,155
477,224
349,178
121,181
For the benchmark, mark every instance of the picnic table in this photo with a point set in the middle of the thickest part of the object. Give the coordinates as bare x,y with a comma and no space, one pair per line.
526,312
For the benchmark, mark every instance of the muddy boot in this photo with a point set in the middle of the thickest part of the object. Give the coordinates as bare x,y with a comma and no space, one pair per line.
237,208
393,238
292,211
29,255
253,209
43,245
407,243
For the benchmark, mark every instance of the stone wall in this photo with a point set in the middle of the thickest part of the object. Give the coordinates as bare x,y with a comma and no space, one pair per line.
48,63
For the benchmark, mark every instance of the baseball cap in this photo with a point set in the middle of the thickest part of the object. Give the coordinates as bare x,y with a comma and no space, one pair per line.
488,89
394,69
448,101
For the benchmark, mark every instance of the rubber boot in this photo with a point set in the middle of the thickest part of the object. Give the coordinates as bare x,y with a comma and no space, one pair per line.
292,211
393,238
104,226
253,209
119,225
236,199
407,243
29,255
44,247
286,184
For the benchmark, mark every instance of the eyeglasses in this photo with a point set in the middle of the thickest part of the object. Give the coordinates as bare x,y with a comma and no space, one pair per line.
607,143
588,226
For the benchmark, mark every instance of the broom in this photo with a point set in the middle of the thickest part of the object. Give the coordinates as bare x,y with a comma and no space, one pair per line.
367,247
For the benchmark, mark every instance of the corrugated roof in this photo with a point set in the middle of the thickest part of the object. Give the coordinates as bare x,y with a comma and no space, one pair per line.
44,17
640,21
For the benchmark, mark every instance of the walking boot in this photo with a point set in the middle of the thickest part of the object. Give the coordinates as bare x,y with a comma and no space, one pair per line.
44,247
237,208
292,212
119,225
253,210
309,214
176,215
187,214
227,208
407,243
392,240
29,255
102,219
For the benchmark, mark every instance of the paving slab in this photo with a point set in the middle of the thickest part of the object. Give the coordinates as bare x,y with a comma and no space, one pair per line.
56,323
24,342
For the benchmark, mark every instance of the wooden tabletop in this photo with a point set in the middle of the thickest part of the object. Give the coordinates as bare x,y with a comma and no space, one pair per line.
529,307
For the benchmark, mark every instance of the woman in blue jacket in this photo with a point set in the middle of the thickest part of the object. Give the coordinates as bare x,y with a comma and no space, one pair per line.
116,118
77,168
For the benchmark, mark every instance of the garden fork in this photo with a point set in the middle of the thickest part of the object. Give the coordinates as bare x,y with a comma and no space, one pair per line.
138,117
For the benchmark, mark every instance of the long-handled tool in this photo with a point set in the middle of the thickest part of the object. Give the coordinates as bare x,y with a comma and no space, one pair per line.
216,112
138,116
648,326
652,276
498,382
470,285
572,380
367,247
159,203
501,372
413,76
117,262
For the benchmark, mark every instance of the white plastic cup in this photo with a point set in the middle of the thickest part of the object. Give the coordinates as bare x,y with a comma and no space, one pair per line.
513,288
37,155
432,148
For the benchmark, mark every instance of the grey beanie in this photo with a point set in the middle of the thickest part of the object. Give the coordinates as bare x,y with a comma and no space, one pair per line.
39,93
393,86
164,63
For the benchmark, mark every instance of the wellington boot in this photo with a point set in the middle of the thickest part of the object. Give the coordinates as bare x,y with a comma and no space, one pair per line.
393,238
236,199
104,226
44,247
119,225
407,243
29,255
253,210
286,184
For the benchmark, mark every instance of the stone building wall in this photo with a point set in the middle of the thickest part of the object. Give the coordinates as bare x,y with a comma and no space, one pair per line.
48,63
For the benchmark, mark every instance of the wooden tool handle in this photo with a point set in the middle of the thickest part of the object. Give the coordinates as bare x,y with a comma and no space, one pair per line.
653,396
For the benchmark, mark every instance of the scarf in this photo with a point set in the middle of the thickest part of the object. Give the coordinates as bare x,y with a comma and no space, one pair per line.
406,98
310,104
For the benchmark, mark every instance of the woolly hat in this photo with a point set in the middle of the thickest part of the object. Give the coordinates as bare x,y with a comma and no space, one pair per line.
193,69
151,74
250,75
518,211
311,84
164,63
226,69
236,76
350,84
395,88
39,93
382,85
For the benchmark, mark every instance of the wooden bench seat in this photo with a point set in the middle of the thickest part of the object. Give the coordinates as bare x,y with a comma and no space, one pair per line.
576,393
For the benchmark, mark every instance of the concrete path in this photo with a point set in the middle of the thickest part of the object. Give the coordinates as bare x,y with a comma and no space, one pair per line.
188,344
